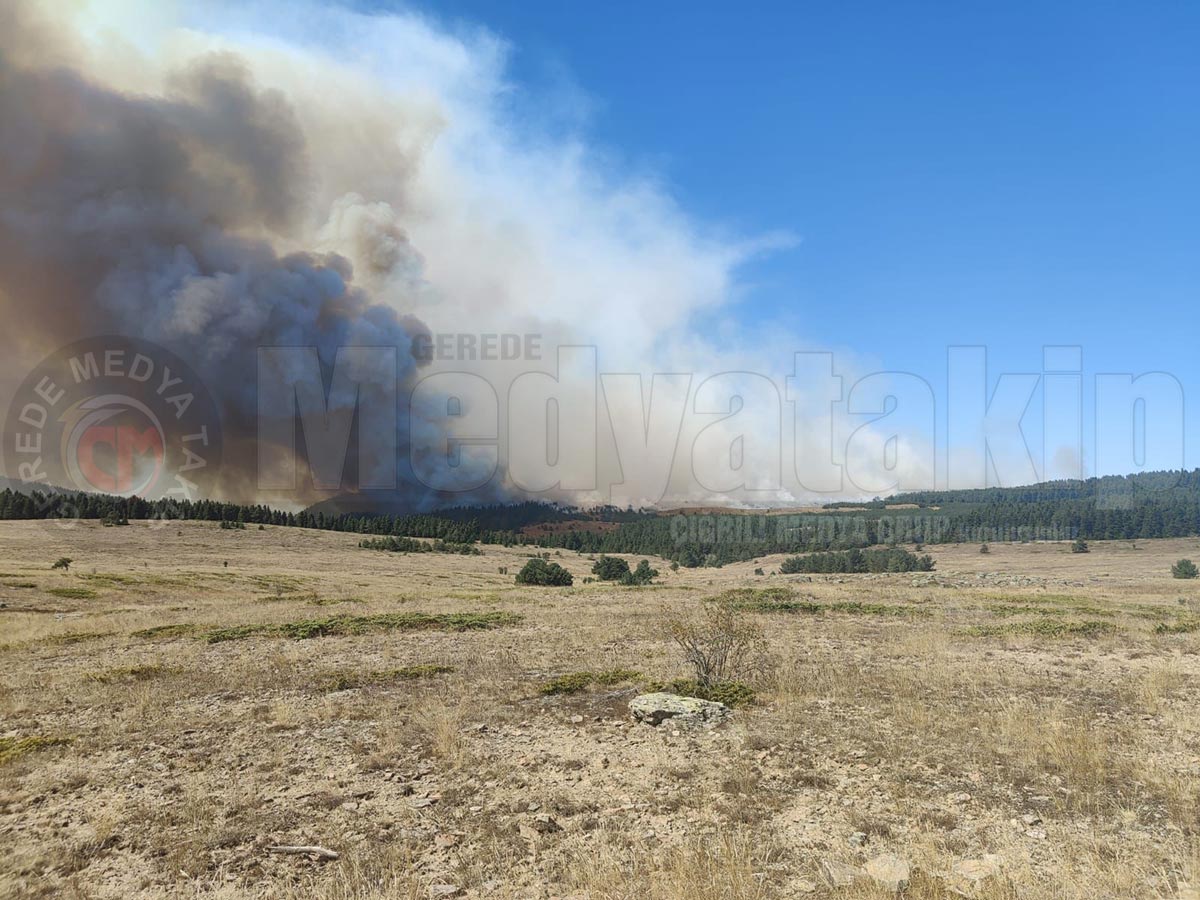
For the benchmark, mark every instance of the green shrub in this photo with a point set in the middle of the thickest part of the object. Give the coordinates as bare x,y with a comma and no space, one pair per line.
643,574
540,572
610,568
1185,568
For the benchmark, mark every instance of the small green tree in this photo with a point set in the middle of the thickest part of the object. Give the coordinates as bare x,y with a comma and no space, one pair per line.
540,572
984,548
1080,546
610,568
63,562
1185,568
643,574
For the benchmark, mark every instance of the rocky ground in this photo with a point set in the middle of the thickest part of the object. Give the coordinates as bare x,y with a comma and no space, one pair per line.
184,701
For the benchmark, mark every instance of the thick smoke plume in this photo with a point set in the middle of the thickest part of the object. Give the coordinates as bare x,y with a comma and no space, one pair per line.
159,217
221,177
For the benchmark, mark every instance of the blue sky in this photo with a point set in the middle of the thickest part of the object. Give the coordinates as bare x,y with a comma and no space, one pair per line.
1011,175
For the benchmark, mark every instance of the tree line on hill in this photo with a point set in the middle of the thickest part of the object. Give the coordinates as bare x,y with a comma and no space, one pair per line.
1150,505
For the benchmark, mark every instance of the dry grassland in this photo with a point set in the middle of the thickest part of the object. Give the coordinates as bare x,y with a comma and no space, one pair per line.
186,697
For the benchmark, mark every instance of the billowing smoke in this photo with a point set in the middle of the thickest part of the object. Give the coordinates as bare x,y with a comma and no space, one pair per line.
159,216
263,175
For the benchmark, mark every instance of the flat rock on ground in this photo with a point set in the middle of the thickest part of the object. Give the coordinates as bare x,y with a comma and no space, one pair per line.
654,709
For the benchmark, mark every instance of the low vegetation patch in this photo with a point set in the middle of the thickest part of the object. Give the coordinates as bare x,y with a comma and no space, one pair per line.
344,680
1185,627
109,578
76,637
784,600
1017,609
1054,628
163,632
857,608
73,593
130,673
13,747
352,625
576,682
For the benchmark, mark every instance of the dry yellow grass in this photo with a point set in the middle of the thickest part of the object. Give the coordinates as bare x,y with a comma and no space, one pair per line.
978,711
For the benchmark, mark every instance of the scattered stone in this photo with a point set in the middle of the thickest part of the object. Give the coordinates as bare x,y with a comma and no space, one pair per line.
889,871
545,824
858,839
969,874
576,720
838,874
654,709
444,890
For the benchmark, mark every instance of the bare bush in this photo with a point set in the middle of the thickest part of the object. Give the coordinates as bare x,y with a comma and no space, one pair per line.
721,644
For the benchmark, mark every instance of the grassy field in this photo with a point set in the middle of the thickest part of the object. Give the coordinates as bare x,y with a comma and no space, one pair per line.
1016,724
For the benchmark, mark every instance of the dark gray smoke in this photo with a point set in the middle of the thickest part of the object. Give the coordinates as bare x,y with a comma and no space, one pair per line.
157,216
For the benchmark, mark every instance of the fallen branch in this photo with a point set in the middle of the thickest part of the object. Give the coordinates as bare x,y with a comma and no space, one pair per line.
319,852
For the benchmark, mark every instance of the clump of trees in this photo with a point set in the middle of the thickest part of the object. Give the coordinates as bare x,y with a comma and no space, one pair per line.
63,562
984,548
540,572
394,544
613,568
858,561
1080,546
1185,568
228,525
